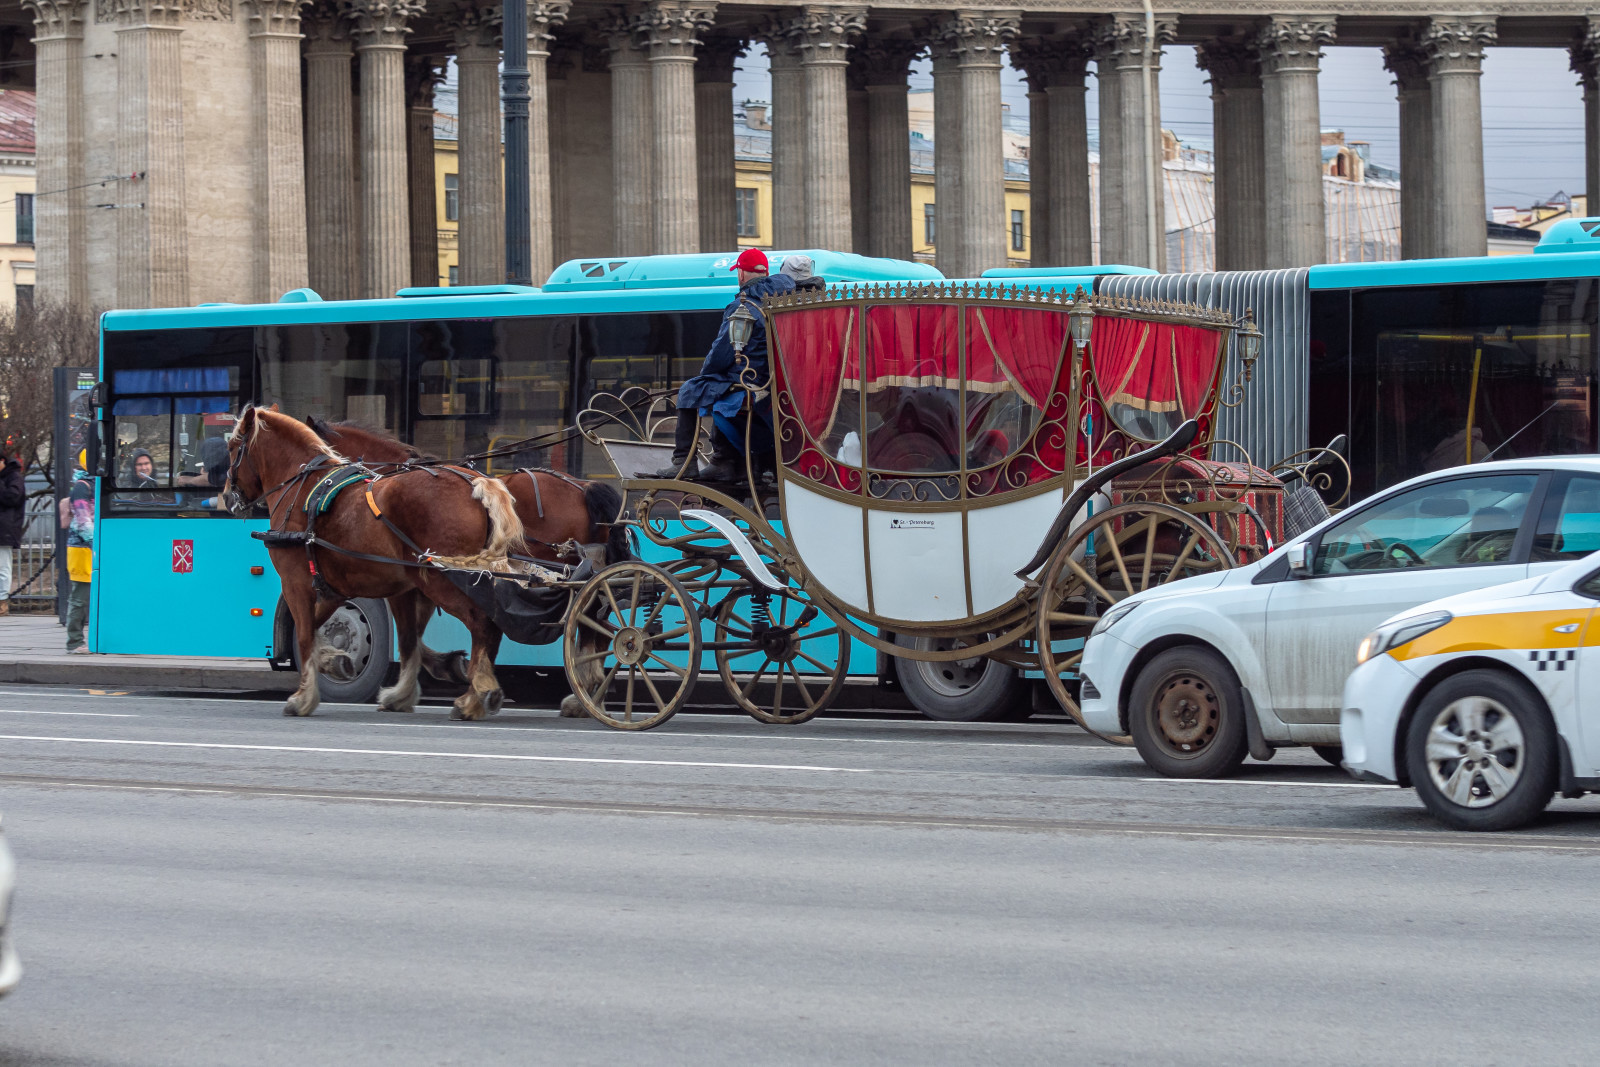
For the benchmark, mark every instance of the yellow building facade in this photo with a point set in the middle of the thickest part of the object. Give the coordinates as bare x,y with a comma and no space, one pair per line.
447,207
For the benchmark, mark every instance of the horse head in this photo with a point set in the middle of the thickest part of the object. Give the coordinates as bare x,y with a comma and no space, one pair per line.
264,449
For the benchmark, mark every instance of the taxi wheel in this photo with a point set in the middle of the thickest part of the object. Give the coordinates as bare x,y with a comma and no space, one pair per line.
1481,751
1186,715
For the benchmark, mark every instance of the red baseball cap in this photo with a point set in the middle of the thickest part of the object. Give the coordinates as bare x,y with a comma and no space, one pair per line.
751,259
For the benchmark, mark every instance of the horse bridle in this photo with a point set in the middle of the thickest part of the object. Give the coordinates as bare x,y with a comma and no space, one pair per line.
234,500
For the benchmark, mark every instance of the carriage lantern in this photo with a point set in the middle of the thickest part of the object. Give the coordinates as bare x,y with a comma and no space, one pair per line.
1249,342
1081,318
739,324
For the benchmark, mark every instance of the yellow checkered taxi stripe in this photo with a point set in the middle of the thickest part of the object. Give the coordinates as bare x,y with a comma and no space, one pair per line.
1531,631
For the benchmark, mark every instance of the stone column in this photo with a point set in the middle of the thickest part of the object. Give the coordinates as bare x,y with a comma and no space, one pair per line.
1036,60
62,275
380,36
632,141
278,167
480,153
1071,231
821,37
423,74
543,18
887,63
1240,188
1291,54
979,41
788,140
1455,46
1410,68
331,220
564,56
672,30
1585,60
1138,211
713,131
1108,44
152,241
949,256
858,109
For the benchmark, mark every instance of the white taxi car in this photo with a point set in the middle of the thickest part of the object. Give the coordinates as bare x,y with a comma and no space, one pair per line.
1485,703
1205,671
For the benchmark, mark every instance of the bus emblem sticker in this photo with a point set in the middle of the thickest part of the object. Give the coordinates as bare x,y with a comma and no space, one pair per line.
183,557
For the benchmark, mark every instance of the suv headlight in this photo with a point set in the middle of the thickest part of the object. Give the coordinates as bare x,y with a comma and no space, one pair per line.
1117,613
1396,634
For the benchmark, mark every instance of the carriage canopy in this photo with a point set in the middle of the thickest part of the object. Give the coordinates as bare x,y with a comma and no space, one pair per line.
964,390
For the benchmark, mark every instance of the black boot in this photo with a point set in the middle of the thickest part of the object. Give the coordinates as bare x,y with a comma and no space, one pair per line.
727,462
684,438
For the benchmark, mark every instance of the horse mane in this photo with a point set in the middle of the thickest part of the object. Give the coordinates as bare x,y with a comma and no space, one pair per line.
353,427
295,431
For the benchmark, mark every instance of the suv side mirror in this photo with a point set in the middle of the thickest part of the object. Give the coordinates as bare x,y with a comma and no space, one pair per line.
1299,557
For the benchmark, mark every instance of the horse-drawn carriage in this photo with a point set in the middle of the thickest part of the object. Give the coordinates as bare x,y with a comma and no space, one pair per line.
984,470
989,469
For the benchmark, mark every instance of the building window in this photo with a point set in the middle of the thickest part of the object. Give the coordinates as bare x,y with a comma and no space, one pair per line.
24,298
24,218
744,213
1018,220
927,225
452,197
455,275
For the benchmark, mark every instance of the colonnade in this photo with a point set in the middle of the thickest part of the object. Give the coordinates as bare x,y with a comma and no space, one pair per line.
632,137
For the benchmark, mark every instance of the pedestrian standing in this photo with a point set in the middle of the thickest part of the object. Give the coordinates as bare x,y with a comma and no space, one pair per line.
13,494
77,518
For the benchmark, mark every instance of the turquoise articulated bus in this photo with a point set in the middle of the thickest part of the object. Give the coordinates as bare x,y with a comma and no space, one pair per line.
1419,362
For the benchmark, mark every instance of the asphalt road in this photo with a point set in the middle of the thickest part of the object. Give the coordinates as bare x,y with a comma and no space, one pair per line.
205,882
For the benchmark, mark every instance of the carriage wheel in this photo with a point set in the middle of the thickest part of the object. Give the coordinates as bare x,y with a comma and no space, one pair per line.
632,646
1134,547
773,626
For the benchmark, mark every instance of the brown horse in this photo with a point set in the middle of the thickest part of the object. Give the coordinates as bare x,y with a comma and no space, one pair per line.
556,510
367,543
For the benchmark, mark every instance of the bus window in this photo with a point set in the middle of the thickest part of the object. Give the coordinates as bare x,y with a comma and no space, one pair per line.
339,371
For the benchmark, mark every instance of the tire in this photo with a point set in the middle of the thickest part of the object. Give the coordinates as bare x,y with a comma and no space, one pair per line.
361,629
1499,725
963,691
1186,715
1332,755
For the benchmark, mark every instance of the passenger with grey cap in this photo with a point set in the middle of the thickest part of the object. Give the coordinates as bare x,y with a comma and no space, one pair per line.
803,271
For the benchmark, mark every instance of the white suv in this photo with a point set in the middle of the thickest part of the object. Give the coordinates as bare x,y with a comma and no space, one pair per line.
1205,671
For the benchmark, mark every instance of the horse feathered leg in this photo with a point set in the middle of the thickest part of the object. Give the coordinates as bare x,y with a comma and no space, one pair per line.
308,615
404,694
445,666
483,696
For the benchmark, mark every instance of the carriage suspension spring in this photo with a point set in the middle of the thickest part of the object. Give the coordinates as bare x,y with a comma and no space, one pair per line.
761,611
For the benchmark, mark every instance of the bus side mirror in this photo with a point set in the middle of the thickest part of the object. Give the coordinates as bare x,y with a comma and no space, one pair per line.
1299,556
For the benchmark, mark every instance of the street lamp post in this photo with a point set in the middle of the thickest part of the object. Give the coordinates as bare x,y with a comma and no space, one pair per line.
514,106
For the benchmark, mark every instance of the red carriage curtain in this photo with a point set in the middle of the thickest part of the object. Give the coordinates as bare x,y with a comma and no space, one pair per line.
1022,347
817,350
1154,366
912,345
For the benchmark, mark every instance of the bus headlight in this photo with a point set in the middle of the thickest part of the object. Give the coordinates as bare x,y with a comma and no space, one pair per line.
1399,633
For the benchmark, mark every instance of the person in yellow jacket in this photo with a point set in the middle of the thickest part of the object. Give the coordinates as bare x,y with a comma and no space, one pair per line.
77,518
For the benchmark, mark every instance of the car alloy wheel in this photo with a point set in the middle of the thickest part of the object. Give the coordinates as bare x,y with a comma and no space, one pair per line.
1475,751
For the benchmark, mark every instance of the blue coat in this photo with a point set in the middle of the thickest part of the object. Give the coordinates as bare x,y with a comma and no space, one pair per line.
715,387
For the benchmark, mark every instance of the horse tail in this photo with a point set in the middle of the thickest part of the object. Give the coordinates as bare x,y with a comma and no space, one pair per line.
605,507
505,529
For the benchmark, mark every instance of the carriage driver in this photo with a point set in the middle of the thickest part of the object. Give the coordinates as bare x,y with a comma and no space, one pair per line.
715,389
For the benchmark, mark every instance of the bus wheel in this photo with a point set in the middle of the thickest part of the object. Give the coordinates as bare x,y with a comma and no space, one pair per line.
965,690
360,630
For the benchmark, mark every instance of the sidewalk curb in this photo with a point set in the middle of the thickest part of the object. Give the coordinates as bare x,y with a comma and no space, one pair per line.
85,672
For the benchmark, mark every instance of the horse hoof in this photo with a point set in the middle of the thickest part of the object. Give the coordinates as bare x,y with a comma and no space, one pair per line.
493,701
469,713
457,670
396,708
292,710
572,708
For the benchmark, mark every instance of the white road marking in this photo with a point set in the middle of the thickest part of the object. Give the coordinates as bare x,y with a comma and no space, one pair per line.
86,714
1257,781
434,755
775,736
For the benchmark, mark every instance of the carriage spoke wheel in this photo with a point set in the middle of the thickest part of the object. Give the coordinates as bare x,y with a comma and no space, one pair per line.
632,646
797,659
1121,551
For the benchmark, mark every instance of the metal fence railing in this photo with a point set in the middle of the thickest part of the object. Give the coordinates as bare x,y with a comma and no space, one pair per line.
33,566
